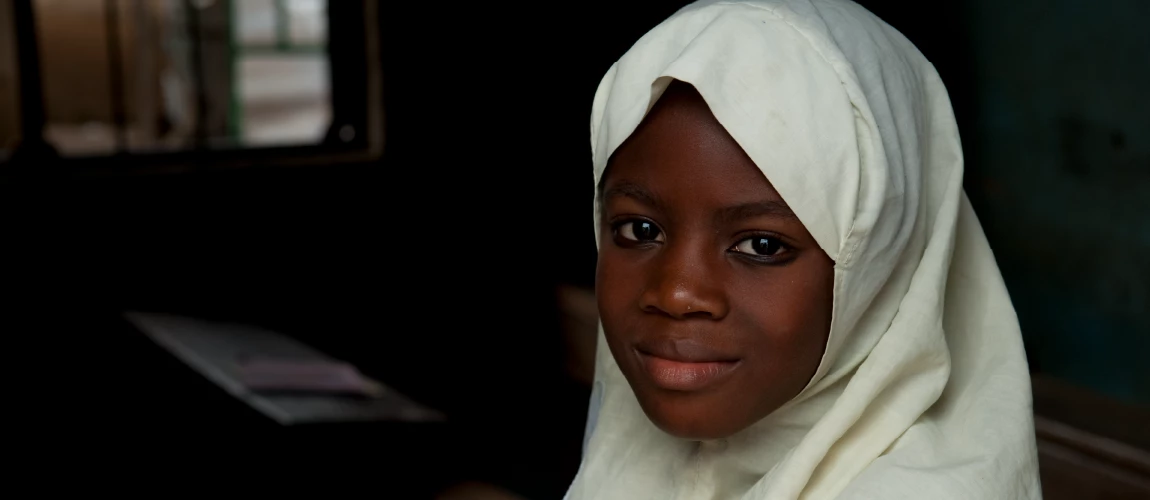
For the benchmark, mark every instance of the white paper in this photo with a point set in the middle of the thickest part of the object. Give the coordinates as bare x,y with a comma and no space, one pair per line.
214,349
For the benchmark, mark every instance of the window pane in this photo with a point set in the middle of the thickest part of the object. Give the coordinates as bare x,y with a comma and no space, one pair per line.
284,99
307,26
283,78
182,74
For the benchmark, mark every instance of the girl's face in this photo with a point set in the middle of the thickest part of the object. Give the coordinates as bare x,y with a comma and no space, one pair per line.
715,300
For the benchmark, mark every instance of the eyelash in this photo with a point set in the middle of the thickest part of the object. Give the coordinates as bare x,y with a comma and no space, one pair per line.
625,242
781,256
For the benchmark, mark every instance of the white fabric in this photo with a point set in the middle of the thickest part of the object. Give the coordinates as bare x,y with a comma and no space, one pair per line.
923,392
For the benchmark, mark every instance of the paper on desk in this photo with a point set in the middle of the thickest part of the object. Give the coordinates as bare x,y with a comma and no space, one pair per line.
219,350
302,376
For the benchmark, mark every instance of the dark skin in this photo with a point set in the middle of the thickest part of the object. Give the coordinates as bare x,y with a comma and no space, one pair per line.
715,299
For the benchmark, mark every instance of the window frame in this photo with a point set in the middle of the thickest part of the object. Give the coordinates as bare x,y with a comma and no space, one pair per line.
356,98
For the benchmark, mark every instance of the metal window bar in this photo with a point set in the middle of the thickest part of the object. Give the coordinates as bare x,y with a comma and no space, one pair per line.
195,37
283,24
235,111
115,76
32,148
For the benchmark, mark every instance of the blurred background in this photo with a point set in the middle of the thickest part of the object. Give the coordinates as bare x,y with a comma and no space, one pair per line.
406,188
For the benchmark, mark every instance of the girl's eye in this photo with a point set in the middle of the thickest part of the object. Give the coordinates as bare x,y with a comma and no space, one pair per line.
639,231
760,246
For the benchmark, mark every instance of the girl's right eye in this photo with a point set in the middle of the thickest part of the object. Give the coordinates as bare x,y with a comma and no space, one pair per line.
638,231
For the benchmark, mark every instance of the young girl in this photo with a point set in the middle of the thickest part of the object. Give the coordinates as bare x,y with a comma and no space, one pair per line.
797,300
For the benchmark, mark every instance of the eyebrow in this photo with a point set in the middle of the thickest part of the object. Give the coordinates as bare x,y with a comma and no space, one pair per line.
771,208
635,192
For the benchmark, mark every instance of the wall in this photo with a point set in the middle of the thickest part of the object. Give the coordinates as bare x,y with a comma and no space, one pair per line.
1060,176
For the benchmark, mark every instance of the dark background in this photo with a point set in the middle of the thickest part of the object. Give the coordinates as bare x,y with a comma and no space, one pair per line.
433,267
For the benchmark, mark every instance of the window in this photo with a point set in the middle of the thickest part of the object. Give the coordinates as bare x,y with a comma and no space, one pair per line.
148,81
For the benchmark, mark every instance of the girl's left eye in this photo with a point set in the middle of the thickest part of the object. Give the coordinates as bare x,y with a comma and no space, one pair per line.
760,246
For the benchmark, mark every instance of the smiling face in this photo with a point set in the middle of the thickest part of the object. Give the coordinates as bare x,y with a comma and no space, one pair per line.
715,300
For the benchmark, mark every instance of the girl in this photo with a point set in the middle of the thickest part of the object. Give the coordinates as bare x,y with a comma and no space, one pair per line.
797,300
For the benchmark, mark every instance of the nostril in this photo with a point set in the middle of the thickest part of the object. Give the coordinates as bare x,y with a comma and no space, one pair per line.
653,309
698,314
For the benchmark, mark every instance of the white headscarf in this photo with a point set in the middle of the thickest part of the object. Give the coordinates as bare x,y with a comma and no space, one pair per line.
923,391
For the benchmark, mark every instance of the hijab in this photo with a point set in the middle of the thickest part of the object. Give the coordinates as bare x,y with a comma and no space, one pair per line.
923,390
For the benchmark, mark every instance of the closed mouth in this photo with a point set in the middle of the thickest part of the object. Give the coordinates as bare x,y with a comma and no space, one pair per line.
685,375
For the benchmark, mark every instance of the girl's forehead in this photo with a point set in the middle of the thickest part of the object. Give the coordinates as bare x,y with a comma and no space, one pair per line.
680,148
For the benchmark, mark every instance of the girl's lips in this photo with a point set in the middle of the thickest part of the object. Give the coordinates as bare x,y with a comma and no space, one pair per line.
684,376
